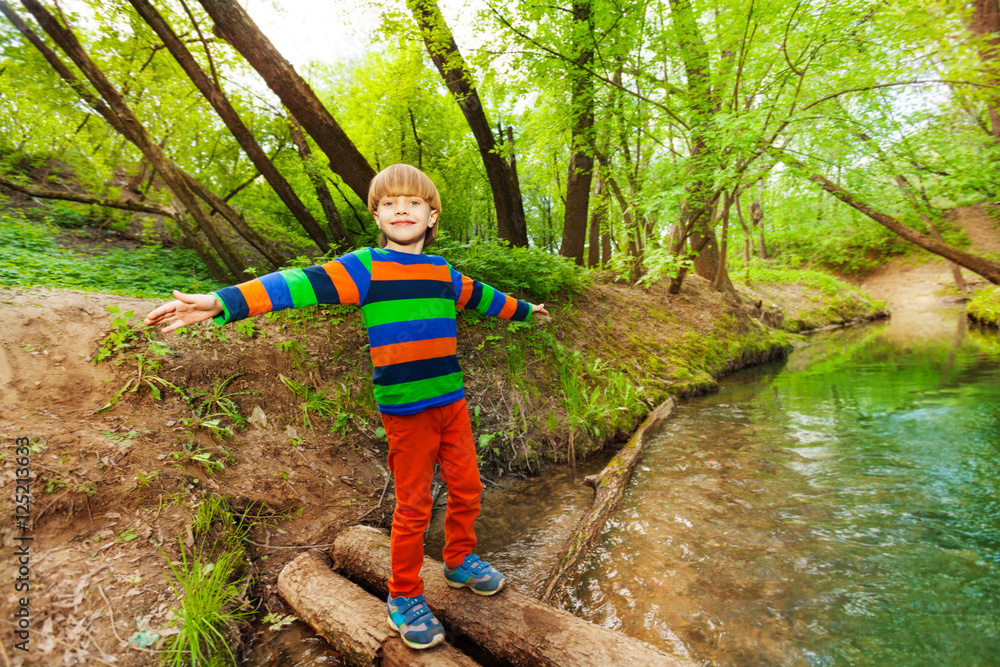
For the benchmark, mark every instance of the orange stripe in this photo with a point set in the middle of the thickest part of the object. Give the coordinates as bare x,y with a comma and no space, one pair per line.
413,350
257,299
466,292
394,271
508,309
346,288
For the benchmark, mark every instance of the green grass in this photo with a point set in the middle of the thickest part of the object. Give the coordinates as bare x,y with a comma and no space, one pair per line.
29,255
984,306
211,604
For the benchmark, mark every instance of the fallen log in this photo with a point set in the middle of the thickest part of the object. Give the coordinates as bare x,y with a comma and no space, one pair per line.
352,620
514,628
609,486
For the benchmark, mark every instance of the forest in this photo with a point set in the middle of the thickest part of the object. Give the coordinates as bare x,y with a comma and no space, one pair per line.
653,139
689,185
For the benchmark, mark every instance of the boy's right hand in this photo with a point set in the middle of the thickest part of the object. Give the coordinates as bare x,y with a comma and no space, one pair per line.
187,309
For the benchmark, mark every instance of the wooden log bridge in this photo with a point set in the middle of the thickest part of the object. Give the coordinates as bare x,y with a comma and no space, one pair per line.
512,627
609,487
352,620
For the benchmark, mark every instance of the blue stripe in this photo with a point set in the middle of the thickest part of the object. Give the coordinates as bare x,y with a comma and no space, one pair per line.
522,312
392,290
326,291
499,299
477,295
420,406
277,291
404,332
411,371
358,273
235,303
456,281
386,255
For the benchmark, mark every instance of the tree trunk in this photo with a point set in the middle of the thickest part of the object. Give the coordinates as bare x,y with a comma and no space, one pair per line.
511,224
986,23
757,216
581,161
234,25
217,98
609,486
747,240
512,627
133,130
986,268
722,282
352,620
339,234
83,198
596,222
202,249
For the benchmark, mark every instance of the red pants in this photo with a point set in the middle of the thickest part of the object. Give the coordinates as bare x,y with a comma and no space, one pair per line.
416,441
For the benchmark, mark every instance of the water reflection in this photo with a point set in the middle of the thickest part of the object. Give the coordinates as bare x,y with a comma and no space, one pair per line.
842,509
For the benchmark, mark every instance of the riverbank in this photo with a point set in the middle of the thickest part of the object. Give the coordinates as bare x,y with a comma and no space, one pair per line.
113,488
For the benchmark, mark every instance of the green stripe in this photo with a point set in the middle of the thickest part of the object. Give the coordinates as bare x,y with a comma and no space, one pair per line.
222,317
406,310
418,390
486,300
300,288
365,256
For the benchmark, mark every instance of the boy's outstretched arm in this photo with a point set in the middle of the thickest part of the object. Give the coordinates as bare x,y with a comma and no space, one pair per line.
342,281
474,295
186,309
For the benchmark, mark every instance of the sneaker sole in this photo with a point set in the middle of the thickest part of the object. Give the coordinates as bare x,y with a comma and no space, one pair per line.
456,584
434,642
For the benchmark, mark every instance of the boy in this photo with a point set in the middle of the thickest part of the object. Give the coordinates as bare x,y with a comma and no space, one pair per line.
408,301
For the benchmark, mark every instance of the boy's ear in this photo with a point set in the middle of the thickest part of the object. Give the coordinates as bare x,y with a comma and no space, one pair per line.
433,218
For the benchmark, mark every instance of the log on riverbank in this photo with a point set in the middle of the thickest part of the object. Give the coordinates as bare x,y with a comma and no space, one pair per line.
511,626
352,620
609,486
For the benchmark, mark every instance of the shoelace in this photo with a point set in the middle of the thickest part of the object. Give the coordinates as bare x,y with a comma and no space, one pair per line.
416,610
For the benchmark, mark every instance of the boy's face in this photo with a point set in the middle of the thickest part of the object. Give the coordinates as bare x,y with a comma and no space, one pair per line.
405,220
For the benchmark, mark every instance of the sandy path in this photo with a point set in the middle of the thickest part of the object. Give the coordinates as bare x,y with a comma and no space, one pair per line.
918,290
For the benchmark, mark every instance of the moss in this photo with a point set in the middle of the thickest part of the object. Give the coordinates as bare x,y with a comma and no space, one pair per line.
984,306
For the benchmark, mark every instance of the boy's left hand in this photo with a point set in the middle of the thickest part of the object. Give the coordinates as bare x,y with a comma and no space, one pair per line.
538,308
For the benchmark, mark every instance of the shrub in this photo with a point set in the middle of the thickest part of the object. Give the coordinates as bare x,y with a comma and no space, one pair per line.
531,271
984,307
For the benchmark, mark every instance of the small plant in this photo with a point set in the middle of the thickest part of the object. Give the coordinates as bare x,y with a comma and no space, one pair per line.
213,509
246,327
211,604
119,338
145,374
192,453
319,403
277,621
217,403
213,425
144,479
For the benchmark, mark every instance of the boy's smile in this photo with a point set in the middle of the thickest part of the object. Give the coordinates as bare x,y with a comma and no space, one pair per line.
405,220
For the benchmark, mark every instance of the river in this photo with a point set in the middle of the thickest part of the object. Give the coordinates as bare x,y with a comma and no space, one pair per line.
838,508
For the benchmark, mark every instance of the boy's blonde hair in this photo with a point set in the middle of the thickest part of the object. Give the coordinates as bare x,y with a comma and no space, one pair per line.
400,180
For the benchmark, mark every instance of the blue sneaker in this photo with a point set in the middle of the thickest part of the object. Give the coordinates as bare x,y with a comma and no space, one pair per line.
414,621
480,576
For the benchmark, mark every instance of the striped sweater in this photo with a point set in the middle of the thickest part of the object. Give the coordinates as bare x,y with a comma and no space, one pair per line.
408,303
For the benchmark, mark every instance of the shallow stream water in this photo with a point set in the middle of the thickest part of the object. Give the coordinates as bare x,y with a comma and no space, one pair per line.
840,508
